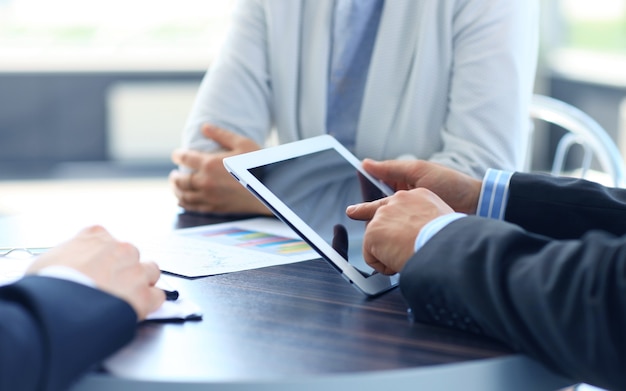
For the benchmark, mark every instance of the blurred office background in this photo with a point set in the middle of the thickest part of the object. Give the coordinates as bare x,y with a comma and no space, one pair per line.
100,88
92,88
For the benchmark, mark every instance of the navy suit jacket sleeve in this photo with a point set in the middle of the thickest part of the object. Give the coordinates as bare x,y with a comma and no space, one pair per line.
565,208
52,331
561,301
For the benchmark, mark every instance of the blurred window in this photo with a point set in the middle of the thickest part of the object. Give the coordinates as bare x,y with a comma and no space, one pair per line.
585,39
126,34
594,25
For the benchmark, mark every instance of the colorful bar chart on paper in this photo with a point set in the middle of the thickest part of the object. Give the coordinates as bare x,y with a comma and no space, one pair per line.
256,240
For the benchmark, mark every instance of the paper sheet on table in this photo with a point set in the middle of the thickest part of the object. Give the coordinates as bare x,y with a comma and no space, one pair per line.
179,310
227,247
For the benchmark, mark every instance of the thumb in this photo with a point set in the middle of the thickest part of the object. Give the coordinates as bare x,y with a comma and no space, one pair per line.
392,171
225,138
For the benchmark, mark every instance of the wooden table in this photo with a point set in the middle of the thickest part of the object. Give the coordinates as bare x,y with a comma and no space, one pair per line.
298,326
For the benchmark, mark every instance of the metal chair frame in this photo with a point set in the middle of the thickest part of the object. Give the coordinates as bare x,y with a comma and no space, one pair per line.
584,131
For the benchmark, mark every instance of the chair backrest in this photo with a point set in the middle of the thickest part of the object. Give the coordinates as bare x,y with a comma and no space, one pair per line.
581,130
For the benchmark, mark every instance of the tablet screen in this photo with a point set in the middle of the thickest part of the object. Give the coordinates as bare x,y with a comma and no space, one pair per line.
318,187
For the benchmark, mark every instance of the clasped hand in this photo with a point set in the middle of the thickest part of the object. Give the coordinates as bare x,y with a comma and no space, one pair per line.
208,187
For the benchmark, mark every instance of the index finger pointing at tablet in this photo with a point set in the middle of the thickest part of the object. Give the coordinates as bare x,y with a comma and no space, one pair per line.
365,210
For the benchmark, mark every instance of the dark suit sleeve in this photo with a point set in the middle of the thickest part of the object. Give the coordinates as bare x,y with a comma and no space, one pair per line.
561,302
564,208
52,331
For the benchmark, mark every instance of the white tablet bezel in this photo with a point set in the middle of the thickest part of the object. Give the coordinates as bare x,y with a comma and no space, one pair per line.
239,167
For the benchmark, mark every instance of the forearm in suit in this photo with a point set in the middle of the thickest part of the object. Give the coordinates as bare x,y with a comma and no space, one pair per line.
564,207
561,302
53,330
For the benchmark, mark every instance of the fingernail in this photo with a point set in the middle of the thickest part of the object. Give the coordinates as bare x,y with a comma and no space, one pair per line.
350,208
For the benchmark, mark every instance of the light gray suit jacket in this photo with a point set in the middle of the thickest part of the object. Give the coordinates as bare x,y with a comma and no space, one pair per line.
449,80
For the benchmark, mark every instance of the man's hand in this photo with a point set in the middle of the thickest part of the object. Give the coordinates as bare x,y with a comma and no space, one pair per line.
458,190
209,188
113,266
393,225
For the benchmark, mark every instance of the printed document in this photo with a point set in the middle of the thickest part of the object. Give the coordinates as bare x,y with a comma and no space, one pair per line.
225,248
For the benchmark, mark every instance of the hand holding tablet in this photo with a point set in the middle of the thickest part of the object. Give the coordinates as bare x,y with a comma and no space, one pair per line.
308,184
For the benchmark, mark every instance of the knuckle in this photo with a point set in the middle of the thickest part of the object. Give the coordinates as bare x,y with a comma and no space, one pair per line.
95,229
401,194
128,249
182,157
210,163
205,182
206,164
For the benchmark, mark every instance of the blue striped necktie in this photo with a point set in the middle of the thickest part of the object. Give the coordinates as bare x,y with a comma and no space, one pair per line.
355,26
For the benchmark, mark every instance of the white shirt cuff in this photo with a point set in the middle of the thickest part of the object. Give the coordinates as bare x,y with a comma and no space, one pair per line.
433,227
491,204
66,273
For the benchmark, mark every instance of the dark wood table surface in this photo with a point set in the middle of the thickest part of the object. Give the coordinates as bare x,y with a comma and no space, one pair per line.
271,328
290,321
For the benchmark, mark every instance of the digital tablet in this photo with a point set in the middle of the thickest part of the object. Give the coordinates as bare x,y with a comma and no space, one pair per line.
308,184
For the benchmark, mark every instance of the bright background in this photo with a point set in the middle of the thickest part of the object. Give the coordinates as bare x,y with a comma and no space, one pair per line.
112,34
88,85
